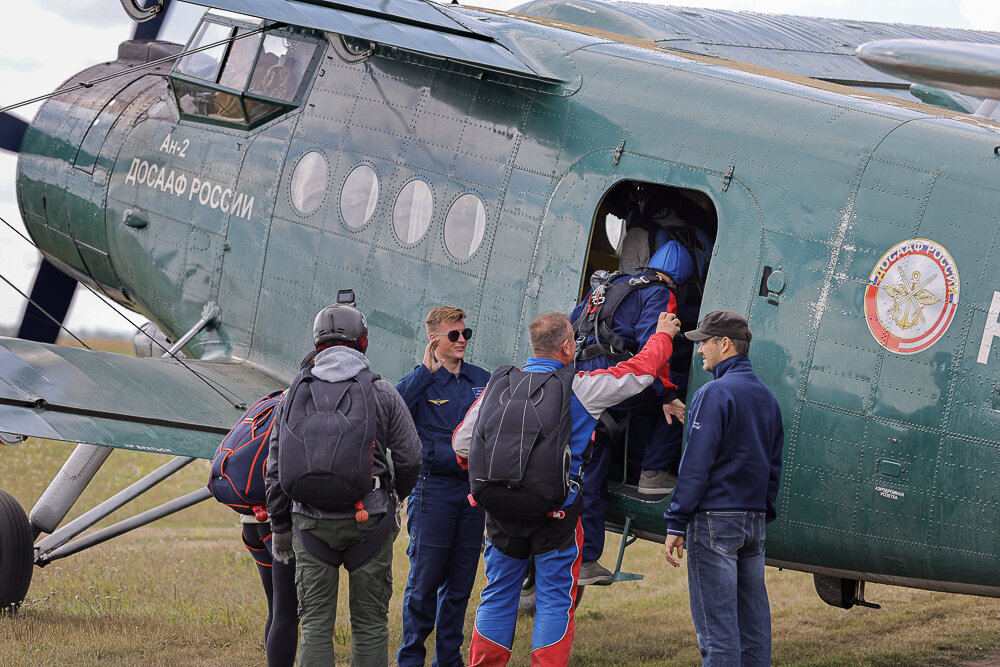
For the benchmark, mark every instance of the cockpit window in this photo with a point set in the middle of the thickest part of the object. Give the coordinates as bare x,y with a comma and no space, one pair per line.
250,80
205,64
240,60
281,66
195,100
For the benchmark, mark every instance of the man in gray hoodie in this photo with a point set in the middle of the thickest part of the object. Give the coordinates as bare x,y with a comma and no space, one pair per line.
360,537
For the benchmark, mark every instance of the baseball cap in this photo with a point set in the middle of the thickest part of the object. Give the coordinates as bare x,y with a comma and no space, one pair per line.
722,323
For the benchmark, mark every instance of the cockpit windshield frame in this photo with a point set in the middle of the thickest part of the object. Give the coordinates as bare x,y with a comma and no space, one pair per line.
248,81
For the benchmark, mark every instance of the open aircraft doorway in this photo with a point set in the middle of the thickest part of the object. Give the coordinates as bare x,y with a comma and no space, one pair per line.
633,219
636,217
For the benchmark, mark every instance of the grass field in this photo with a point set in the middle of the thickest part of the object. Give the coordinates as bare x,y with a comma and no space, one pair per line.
184,592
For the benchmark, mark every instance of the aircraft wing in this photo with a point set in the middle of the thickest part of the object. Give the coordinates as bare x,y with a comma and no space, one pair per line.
819,48
412,25
155,405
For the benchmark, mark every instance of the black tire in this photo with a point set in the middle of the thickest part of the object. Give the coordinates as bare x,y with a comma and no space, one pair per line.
16,553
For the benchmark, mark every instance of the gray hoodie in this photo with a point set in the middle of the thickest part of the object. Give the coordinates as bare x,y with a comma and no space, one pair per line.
394,432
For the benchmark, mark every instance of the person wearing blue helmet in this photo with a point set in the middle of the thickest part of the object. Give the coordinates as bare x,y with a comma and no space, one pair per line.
612,323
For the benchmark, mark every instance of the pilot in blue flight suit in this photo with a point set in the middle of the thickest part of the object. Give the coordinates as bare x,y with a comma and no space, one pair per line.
446,532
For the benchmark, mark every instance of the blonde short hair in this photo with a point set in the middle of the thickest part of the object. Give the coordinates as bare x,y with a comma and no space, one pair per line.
443,315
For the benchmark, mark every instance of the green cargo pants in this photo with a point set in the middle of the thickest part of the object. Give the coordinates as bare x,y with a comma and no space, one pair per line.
370,587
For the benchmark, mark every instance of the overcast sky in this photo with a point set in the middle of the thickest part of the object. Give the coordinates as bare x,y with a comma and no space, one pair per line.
44,42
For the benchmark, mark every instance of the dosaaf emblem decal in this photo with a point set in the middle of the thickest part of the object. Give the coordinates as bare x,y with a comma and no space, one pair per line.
912,296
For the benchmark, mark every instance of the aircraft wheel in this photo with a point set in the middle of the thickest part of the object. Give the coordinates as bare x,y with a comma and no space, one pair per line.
16,552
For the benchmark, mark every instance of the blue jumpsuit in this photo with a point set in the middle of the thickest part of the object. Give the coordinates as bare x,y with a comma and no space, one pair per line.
446,532
634,321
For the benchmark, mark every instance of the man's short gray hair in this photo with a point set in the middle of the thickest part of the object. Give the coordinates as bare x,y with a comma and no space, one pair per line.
547,333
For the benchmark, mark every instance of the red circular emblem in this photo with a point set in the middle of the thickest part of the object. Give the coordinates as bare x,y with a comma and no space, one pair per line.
912,296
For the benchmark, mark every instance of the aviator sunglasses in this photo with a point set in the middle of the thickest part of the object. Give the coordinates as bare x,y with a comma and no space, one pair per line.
455,333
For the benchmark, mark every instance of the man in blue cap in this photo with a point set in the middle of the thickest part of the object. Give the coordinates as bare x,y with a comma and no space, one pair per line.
612,323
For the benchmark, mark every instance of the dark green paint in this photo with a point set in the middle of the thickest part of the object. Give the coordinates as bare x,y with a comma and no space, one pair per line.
808,180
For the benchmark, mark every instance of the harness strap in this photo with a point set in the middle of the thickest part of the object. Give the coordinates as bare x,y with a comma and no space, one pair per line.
594,350
614,428
353,556
595,320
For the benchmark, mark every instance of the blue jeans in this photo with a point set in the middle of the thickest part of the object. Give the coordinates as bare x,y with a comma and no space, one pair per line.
726,582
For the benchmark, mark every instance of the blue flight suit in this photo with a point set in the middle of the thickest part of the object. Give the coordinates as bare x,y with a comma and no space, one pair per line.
634,321
446,532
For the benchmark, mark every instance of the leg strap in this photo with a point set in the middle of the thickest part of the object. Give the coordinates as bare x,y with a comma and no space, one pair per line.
353,556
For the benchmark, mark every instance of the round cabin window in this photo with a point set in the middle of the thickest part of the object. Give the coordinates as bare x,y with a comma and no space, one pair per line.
464,227
614,227
412,213
309,182
359,196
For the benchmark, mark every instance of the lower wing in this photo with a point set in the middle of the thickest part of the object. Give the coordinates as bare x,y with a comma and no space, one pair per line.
155,405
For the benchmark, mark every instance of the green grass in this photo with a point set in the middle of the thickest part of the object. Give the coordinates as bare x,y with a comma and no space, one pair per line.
185,592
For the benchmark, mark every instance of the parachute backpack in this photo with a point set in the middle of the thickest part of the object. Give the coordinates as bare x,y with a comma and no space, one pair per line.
328,446
520,458
595,320
237,475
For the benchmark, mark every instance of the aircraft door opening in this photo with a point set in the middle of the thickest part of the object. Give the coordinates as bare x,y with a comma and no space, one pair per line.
633,220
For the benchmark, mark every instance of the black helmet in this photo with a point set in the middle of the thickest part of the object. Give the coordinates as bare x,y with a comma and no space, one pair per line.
340,323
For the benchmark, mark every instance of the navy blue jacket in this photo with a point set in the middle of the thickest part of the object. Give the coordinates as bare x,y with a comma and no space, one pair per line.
732,458
438,403
635,321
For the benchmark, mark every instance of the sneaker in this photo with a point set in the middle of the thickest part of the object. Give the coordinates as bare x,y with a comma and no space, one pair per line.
656,482
593,572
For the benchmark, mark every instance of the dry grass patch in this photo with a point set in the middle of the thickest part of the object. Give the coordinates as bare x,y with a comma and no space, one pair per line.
185,592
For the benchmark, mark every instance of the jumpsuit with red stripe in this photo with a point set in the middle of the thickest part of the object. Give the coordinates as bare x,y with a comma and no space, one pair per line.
556,544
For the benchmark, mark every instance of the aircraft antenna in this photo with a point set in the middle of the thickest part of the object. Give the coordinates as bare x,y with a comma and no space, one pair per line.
131,70
214,386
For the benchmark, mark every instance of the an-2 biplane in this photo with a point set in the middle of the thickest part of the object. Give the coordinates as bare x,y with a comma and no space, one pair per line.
427,154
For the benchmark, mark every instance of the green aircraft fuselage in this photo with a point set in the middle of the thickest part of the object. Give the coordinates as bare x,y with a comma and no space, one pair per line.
856,235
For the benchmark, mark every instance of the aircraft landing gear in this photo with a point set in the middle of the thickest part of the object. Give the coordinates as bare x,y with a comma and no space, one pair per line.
16,552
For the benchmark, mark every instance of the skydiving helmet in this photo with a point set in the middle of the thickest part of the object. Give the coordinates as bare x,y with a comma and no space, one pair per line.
674,260
341,324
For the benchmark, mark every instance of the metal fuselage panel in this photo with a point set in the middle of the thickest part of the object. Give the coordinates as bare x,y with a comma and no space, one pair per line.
890,460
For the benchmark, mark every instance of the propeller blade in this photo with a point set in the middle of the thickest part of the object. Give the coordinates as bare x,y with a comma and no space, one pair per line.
151,29
53,291
12,129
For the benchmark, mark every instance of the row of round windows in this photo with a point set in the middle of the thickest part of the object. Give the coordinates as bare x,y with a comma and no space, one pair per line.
411,216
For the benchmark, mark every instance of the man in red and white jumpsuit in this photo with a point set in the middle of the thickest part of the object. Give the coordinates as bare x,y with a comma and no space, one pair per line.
555,543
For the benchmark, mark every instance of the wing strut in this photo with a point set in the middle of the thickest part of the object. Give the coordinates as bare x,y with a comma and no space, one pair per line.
78,471
45,547
124,526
